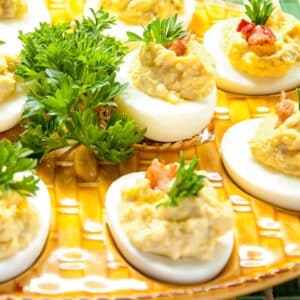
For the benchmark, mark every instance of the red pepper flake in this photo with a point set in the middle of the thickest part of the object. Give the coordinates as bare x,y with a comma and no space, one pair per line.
245,28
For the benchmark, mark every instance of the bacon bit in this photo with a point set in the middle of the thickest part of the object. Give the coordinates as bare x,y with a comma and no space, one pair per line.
180,46
261,35
284,109
158,173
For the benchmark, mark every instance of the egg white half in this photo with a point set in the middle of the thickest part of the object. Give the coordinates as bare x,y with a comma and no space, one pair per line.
232,80
184,271
9,29
15,265
256,179
120,29
11,110
165,122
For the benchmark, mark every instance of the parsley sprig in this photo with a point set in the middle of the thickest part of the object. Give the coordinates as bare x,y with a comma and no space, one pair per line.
14,159
259,11
187,183
298,95
160,31
71,69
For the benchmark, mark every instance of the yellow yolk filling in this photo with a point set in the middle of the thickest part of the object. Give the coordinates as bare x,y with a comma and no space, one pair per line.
7,78
142,12
278,148
266,60
158,72
12,9
18,224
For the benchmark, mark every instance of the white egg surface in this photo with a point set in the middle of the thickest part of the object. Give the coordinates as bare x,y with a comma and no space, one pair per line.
15,265
184,271
11,110
119,30
165,122
272,186
37,12
12,46
234,81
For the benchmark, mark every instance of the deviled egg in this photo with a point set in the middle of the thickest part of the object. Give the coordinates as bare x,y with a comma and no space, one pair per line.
171,83
24,211
131,15
263,156
169,224
12,93
259,54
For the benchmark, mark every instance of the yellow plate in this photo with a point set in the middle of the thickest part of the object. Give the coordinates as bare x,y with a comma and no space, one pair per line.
80,258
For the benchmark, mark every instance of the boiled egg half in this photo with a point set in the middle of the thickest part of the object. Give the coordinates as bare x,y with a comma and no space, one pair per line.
15,265
230,79
183,271
165,122
119,30
272,186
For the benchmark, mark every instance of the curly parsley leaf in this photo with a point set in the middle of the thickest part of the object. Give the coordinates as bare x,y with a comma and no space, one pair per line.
259,11
187,183
111,144
71,70
160,31
14,159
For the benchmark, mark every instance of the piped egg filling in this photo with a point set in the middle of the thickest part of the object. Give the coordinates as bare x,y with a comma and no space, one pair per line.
276,143
19,223
12,9
184,71
12,94
131,15
142,12
7,78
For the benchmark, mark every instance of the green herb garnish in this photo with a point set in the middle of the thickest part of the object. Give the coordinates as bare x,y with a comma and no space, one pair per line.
14,159
71,70
160,31
2,42
298,95
259,11
187,183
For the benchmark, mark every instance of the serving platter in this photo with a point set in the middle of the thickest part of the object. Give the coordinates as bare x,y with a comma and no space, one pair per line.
81,260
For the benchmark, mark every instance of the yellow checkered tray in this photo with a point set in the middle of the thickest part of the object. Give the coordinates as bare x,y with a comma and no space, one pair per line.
80,259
